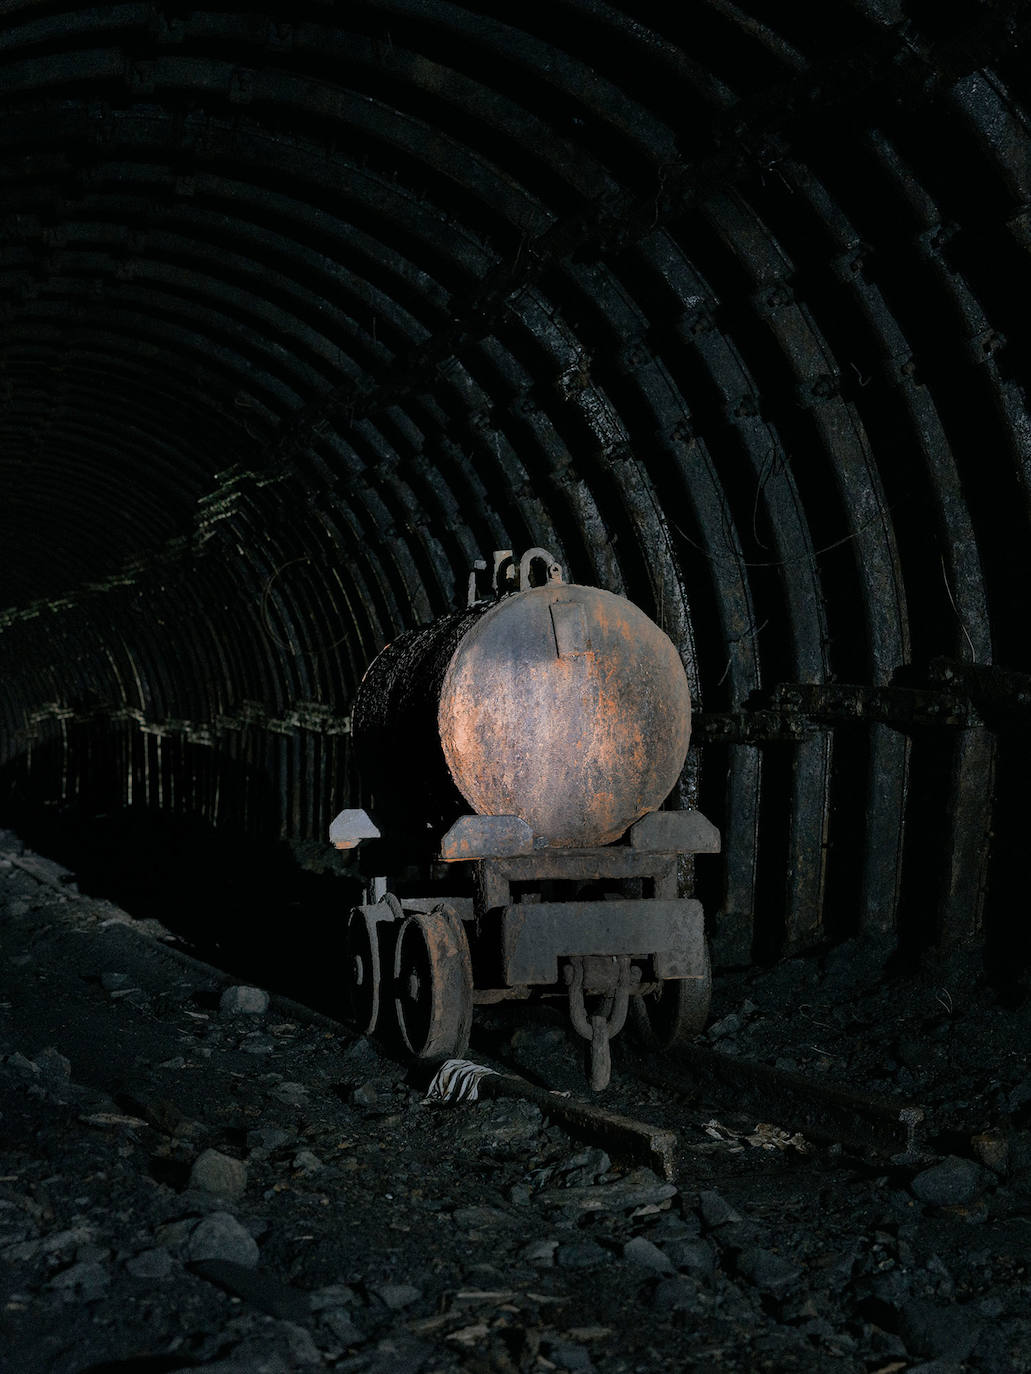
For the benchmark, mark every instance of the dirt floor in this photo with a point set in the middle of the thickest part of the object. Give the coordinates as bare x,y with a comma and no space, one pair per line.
196,1176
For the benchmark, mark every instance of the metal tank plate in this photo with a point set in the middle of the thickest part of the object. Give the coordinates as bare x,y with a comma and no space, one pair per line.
569,707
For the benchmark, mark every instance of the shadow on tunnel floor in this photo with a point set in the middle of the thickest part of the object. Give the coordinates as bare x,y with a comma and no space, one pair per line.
248,905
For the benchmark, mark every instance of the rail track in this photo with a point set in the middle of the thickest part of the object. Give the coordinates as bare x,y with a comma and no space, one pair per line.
824,1112
701,1079
867,1124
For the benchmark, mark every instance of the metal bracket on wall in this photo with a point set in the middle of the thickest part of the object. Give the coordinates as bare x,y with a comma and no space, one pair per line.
794,711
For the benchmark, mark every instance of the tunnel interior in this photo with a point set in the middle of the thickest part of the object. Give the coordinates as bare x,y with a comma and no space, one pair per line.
306,308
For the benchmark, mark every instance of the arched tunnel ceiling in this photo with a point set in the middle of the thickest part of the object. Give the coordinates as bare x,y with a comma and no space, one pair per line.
307,307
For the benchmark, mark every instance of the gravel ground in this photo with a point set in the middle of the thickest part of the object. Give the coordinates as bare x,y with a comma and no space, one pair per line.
195,1175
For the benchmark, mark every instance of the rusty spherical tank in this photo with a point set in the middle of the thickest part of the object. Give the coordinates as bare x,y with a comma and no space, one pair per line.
562,704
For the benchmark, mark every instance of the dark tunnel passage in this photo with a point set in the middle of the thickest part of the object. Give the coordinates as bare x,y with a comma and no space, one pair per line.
305,308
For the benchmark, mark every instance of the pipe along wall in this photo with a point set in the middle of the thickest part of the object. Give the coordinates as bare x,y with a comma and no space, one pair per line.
306,307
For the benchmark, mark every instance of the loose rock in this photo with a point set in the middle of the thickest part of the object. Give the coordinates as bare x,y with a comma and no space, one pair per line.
583,1169
26,1067
293,1094
268,1138
770,1273
643,1251
693,1257
342,1326
244,1001
263,1291
635,1190
55,1070
248,1358
675,1295
936,1329
951,1183
302,1350
580,1254
715,1211
496,1125
86,1280
395,1295
220,1236
150,1264
572,1357
307,1162
474,1218
727,1025
992,1149
539,1252
217,1173
333,1295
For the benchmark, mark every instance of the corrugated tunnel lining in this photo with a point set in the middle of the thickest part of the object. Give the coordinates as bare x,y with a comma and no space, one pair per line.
303,313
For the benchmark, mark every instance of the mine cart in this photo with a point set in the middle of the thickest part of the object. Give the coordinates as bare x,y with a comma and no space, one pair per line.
517,753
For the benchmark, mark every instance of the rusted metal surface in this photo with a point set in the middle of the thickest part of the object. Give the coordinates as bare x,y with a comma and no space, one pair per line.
675,1009
823,1111
481,837
535,568
495,877
363,965
606,1016
568,706
676,832
535,935
621,1136
433,984
563,705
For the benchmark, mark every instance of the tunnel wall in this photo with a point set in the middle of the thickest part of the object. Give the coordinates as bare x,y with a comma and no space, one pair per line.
305,309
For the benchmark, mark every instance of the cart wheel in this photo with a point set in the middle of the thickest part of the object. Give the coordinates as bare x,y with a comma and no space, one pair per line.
362,969
433,984
674,1013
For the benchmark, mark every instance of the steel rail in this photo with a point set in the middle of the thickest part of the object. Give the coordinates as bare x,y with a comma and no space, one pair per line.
826,1112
